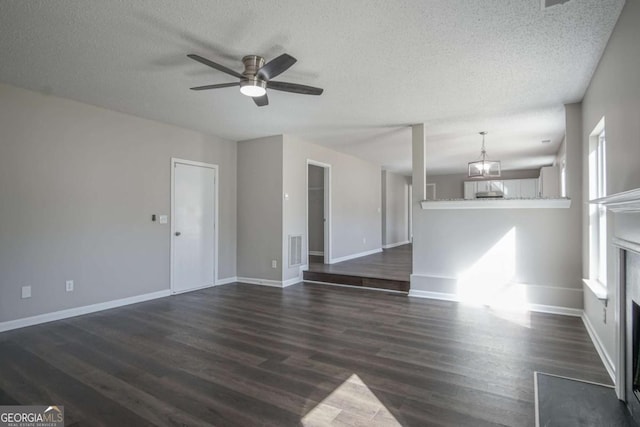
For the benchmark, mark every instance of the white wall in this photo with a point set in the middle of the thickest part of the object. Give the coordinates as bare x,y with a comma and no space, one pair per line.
78,186
355,199
530,247
260,208
614,93
395,208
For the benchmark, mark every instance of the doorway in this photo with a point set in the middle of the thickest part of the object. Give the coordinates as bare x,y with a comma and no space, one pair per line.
318,212
194,213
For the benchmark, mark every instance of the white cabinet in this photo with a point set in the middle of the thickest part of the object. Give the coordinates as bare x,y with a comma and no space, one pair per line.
511,188
496,186
470,189
528,188
549,185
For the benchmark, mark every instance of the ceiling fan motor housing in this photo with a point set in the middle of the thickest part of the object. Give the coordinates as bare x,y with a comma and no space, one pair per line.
252,63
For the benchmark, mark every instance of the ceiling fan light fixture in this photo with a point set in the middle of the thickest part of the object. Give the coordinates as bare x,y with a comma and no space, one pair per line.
253,87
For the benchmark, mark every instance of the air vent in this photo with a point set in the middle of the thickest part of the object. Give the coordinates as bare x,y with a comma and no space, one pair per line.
550,3
295,250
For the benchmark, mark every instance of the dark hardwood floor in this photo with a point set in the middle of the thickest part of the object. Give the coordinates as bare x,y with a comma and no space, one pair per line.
305,355
389,269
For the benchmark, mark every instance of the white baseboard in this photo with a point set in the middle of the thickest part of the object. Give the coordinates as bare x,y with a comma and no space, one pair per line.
78,311
293,281
271,283
433,295
393,245
537,308
261,282
602,352
352,256
226,281
554,309
316,253
275,283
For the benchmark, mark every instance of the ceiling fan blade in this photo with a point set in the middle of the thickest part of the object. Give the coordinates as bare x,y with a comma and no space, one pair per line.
212,64
294,88
261,101
218,86
276,66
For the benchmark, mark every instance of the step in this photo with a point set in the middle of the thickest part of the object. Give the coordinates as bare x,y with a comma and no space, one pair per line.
353,280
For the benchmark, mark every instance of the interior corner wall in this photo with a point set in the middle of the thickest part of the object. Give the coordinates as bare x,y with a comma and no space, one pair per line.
395,209
78,186
614,93
355,200
260,208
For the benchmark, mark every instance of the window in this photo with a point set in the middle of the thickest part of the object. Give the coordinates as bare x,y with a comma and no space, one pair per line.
597,213
563,179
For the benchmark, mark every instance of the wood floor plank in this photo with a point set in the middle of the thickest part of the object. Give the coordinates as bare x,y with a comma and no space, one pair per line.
305,355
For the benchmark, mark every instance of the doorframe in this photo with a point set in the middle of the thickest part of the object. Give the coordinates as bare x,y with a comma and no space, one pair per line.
216,189
327,208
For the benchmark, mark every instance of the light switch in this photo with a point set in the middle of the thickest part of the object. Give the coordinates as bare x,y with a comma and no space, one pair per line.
164,219
26,292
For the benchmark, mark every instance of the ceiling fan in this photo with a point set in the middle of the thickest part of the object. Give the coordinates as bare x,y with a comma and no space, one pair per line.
256,78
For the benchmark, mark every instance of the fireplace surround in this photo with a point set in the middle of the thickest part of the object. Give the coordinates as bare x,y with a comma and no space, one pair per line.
630,274
626,288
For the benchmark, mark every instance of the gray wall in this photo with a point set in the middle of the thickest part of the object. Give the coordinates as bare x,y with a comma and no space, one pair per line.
395,208
355,199
78,186
452,186
614,93
260,208
316,208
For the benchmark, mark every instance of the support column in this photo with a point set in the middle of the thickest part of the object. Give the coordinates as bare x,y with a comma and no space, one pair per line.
418,192
419,175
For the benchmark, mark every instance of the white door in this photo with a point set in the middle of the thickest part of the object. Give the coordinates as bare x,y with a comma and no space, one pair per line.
193,227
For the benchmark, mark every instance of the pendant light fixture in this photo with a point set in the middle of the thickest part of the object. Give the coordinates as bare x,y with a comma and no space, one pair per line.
484,168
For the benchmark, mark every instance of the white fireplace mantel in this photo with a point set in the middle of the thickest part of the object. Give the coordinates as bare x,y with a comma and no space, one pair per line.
627,201
624,202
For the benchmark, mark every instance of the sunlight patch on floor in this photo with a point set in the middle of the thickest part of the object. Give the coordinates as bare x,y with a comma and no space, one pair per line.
351,403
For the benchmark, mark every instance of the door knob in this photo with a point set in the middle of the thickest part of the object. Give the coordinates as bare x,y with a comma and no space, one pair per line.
178,233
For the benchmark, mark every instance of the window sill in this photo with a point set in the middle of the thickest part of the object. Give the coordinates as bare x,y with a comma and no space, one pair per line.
598,289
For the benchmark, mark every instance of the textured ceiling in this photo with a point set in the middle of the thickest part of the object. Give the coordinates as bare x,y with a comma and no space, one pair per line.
460,66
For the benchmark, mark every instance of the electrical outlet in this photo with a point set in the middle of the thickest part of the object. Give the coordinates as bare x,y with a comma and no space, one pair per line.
69,285
26,292
274,263
364,240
